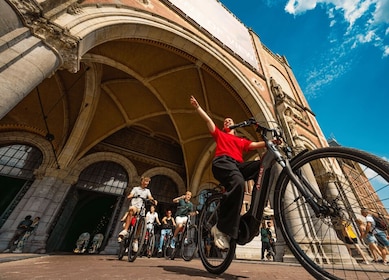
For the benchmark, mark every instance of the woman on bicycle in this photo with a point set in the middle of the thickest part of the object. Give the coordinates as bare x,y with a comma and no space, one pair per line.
168,224
151,218
230,170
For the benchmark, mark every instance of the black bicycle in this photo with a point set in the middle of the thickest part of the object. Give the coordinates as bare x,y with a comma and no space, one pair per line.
148,247
186,244
167,250
134,242
313,194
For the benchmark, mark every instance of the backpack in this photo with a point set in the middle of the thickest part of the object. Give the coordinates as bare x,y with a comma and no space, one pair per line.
380,223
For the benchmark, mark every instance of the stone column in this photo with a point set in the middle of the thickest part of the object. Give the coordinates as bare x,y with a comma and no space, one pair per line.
43,200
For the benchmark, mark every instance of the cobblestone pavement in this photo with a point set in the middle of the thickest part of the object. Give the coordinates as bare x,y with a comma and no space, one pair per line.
57,267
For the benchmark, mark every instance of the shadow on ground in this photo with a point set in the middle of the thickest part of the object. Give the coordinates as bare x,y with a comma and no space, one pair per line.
200,273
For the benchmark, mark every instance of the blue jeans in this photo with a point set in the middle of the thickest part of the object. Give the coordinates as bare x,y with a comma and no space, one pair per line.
164,232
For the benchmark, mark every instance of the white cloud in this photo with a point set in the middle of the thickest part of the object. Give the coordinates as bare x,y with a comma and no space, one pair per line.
386,51
362,22
367,20
296,7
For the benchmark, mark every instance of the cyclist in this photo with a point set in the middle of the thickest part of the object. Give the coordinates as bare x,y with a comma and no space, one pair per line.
230,170
135,197
151,218
185,207
168,224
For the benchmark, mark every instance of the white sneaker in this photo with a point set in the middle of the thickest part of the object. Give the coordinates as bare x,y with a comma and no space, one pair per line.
222,240
123,234
135,246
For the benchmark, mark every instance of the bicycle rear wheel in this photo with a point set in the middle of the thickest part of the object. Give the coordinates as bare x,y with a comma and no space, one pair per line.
341,181
189,243
217,261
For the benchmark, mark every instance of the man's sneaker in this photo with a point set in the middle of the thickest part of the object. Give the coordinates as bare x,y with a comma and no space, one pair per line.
123,234
135,246
222,241
159,250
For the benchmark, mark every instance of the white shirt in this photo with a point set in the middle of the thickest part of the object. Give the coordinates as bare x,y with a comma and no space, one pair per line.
150,217
142,192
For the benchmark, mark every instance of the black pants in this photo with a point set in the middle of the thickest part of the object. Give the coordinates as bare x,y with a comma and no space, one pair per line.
232,175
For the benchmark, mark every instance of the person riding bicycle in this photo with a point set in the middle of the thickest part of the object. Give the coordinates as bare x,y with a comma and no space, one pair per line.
185,207
168,224
231,171
135,197
151,218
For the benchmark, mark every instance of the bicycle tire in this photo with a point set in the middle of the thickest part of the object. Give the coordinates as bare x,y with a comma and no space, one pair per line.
343,180
138,233
151,245
122,248
167,250
189,243
218,261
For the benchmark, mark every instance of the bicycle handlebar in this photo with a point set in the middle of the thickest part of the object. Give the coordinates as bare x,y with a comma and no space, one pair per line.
144,199
276,133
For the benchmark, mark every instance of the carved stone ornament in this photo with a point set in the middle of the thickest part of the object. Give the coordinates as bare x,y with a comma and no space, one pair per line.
276,89
74,9
54,36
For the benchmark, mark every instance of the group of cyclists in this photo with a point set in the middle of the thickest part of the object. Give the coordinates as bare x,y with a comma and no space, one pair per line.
169,225
221,224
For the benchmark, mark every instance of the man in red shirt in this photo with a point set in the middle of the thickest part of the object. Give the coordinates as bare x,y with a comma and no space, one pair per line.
230,170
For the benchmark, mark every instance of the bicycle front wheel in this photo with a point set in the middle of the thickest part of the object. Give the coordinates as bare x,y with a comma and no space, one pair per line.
340,181
214,260
151,245
122,248
189,243
167,250
137,239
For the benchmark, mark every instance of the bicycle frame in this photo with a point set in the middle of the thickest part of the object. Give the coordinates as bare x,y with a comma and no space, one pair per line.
250,221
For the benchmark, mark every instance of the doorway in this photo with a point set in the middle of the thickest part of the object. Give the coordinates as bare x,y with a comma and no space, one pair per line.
92,214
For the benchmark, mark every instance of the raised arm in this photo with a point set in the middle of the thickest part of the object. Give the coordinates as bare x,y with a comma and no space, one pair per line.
175,200
203,114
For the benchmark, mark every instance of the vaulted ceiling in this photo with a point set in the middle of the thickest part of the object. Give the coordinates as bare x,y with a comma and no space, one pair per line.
144,85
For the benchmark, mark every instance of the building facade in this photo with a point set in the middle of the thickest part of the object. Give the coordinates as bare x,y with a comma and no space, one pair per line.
95,95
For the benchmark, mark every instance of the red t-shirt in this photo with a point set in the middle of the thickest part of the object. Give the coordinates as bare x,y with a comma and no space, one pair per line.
230,145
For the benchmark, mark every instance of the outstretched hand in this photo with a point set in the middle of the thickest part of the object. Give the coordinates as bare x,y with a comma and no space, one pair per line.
194,102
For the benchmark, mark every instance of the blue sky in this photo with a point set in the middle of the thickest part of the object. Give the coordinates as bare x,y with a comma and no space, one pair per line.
339,53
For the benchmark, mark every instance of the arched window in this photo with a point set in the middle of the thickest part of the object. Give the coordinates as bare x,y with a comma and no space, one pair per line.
104,176
163,188
19,161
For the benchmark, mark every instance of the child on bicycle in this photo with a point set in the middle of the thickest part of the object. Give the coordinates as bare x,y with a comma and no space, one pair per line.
185,207
135,197
230,170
